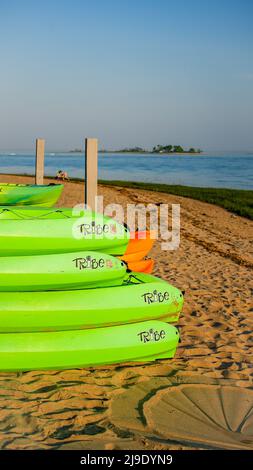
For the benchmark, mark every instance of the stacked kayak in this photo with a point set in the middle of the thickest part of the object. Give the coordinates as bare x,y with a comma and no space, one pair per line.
141,297
66,301
139,342
29,194
142,266
37,231
78,270
138,248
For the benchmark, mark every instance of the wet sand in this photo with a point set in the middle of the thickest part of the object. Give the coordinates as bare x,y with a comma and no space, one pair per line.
201,399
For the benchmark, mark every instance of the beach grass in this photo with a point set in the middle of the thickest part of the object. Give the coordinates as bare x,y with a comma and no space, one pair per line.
237,201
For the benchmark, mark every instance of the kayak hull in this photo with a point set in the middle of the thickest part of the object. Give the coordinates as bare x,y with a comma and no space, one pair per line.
139,342
31,231
135,257
29,194
140,244
66,271
142,266
142,297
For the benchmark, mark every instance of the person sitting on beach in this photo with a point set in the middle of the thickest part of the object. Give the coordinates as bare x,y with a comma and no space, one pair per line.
62,175
58,174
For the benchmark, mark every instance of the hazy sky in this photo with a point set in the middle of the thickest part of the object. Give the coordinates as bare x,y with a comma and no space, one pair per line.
130,72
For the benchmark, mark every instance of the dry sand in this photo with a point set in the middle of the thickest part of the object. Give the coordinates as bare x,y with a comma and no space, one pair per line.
201,399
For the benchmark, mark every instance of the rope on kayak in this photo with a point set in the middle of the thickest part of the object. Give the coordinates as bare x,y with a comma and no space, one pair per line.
12,212
24,217
131,278
59,211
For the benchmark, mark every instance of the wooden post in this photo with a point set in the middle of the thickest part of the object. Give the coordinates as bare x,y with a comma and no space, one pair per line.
40,155
91,172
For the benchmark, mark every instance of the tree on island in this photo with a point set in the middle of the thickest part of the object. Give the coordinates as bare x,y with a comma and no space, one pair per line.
178,149
193,150
168,149
162,148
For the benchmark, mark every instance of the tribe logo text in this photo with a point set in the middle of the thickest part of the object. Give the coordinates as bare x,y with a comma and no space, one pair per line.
151,297
151,335
97,229
92,263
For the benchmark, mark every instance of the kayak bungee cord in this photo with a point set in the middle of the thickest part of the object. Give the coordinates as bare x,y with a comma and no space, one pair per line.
23,217
129,280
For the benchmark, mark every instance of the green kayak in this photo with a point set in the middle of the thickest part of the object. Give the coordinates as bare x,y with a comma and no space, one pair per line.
137,342
29,194
141,297
80,270
38,231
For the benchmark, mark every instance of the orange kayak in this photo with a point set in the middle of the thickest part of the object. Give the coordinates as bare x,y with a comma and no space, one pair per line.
143,266
139,246
134,257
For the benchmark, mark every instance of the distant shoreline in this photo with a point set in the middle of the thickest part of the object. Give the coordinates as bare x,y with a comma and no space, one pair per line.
118,152
157,150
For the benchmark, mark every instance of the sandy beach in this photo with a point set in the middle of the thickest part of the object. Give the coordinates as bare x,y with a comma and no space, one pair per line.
201,399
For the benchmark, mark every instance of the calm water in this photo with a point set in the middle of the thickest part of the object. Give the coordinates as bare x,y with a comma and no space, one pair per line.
206,170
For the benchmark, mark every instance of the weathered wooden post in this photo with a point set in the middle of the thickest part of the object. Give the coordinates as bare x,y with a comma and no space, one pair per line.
40,156
91,172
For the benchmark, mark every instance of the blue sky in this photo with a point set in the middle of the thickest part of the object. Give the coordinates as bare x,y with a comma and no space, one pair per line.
129,72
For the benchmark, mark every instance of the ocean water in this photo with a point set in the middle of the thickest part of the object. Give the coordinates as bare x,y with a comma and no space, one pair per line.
219,170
